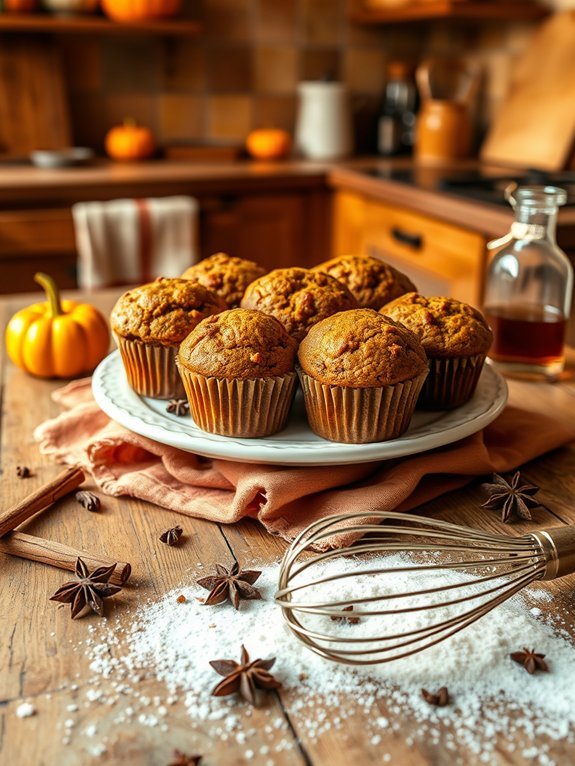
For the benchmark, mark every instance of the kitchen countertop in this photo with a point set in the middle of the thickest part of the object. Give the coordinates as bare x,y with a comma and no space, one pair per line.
488,219
42,661
21,183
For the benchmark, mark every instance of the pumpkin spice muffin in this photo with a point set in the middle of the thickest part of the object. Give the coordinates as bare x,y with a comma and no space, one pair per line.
238,371
361,374
225,275
149,323
372,282
298,297
456,339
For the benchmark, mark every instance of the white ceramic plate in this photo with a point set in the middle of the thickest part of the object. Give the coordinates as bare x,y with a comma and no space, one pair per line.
296,444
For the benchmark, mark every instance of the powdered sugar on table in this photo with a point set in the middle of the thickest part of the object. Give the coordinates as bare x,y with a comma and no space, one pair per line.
495,702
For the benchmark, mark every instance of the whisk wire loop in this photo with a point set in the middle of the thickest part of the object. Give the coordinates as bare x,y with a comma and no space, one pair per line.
370,656
526,549
422,632
440,633
488,568
317,528
330,608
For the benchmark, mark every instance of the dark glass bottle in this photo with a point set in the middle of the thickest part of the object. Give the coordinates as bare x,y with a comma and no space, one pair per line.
396,119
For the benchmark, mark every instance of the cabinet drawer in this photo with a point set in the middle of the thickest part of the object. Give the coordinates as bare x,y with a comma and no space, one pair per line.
36,231
18,272
267,229
438,256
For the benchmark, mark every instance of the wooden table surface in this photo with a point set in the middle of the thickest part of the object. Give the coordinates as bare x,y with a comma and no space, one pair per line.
39,657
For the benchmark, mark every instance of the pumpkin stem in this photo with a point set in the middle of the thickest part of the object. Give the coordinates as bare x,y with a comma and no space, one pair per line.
52,292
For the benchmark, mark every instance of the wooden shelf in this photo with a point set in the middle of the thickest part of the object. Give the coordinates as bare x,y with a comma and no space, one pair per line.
451,9
86,24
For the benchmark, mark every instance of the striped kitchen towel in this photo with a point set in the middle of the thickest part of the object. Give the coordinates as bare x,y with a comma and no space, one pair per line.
132,241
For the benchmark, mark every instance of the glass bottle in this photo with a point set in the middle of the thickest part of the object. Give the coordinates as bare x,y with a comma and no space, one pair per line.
396,119
528,288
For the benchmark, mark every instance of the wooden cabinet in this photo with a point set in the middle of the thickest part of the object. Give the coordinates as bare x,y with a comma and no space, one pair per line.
273,227
440,258
36,240
267,229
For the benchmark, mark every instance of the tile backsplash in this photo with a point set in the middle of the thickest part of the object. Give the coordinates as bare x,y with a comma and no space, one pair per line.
242,70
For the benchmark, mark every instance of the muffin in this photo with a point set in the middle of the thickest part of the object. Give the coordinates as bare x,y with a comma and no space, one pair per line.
225,275
298,297
149,323
361,374
456,339
238,370
371,282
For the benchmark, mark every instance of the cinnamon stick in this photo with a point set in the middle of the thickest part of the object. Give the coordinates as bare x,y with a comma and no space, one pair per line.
59,555
40,499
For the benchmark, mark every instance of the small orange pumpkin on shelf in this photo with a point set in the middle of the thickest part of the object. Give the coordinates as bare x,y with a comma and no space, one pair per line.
57,338
140,10
268,143
130,141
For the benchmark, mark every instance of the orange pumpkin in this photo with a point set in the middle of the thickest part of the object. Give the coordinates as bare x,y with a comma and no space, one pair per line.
139,10
130,142
268,143
57,339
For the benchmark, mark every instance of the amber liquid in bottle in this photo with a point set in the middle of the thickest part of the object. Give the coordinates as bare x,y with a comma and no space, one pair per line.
527,338
528,288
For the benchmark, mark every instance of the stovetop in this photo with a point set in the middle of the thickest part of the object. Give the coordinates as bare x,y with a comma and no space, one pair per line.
481,185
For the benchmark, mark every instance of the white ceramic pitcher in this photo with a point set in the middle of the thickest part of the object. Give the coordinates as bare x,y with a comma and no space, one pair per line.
323,125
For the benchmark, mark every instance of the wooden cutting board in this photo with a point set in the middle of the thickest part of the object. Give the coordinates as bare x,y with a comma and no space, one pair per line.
33,104
536,125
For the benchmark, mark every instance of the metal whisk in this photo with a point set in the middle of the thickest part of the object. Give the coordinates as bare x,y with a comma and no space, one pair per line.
487,570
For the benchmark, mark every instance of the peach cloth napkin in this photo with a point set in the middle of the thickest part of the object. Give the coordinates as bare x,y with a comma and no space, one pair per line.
285,500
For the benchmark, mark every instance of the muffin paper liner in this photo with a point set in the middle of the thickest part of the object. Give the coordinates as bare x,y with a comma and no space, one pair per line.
246,408
451,382
151,370
360,415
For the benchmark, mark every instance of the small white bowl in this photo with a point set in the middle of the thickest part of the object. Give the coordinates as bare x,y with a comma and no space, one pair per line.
61,158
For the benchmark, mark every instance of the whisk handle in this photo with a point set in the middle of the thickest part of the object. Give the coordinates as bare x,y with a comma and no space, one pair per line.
558,546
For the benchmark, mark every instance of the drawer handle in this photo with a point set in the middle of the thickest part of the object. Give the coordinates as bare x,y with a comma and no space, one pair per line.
415,241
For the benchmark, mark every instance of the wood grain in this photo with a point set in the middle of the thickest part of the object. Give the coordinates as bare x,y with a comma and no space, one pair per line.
42,660
33,106
60,556
536,119
43,497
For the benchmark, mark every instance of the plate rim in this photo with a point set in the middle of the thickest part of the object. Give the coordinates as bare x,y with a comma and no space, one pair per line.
320,452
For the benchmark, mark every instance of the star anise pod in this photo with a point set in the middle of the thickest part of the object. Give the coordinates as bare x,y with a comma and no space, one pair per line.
181,759
439,699
179,407
344,618
172,536
233,584
23,472
244,677
88,590
89,500
510,498
530,660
